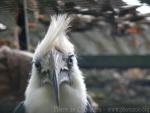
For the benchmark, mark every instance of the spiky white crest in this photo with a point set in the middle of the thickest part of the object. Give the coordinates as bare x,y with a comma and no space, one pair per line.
55,36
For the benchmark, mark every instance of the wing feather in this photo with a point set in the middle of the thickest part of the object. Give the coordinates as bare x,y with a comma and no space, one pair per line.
89,108
20,108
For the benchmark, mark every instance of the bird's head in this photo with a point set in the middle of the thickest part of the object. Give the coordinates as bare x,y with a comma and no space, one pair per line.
54,60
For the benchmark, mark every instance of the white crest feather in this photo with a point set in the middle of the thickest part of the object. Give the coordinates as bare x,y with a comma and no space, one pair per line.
64,45
58,26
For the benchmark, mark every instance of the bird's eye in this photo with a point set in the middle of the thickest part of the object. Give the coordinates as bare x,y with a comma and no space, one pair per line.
38,65
70,61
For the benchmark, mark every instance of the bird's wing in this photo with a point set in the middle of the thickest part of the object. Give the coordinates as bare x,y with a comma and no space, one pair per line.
89,108
20,108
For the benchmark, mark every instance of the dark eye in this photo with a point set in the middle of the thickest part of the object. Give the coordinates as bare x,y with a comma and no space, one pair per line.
70,61
38,65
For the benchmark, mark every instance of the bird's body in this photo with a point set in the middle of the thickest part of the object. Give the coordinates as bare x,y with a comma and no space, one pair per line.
56,84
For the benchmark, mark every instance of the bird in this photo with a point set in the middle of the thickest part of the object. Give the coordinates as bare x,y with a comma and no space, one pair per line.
56,84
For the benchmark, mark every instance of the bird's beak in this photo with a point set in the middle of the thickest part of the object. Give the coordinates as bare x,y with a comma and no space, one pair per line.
56,84
60,74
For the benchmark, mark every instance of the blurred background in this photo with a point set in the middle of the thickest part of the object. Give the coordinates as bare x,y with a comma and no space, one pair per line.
112,40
